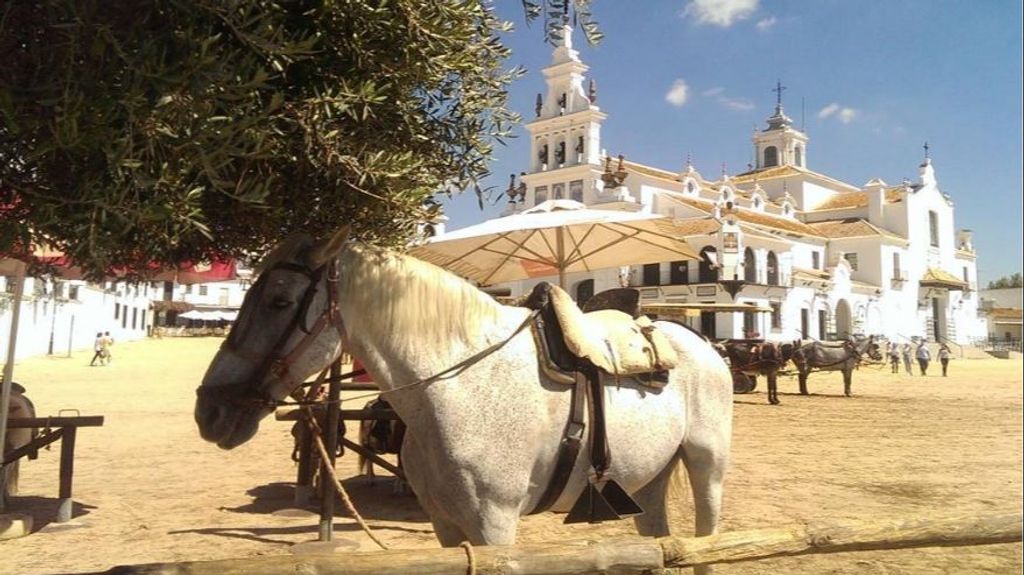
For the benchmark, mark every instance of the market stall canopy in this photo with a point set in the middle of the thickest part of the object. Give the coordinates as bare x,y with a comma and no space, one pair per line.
695,308
554,238
940,278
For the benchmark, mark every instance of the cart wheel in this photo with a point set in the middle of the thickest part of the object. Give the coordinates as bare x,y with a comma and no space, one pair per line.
743,383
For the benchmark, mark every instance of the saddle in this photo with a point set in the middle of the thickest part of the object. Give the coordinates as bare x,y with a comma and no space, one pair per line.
574,348
616,340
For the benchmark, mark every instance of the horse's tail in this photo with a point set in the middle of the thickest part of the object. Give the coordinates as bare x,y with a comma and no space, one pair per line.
678,483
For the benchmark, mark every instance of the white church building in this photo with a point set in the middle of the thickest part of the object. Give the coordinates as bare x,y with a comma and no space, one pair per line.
831,259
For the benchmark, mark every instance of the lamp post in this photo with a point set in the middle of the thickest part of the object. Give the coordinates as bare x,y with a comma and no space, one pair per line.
730,239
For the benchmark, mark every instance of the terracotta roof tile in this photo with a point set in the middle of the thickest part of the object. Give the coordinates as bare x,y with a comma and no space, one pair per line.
786,171
1006,313
844,200
751,217
851,228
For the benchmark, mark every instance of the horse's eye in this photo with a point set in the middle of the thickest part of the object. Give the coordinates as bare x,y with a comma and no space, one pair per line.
280,303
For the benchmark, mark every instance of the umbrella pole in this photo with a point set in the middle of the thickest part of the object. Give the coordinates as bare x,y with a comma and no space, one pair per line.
560,246
5,395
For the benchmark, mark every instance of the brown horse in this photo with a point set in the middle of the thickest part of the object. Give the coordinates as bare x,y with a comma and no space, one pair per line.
757,357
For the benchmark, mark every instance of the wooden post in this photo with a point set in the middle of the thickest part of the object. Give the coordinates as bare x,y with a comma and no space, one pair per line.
304,476
67,470
328,496
621,555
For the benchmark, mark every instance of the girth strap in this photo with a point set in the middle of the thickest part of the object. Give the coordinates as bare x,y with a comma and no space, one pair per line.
568,449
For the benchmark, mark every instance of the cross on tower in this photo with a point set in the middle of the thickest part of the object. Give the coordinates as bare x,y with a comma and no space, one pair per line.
778,90
926,148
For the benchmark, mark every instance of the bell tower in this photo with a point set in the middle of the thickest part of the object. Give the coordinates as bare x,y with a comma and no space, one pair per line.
565,135
780,144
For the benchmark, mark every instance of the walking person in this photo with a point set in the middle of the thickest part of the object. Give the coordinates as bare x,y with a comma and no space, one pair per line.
894,356
923,357
944,358
107,343
97,346
906,359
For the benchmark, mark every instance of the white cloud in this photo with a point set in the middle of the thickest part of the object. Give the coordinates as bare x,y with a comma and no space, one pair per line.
741,104
678,93
844,114
828,111
733,103
722,13
766,23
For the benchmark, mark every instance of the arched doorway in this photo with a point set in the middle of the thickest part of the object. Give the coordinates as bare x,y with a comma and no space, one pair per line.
844,320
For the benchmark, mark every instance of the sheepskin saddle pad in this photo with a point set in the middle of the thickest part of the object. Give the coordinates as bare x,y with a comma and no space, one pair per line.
611,340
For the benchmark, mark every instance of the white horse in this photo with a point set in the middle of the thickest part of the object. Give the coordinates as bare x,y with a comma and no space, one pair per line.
482,440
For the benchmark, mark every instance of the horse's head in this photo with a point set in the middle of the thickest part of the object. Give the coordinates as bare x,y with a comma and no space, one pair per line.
287,329
786,350
866,346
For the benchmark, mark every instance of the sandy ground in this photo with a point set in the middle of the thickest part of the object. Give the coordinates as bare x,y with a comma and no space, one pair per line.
148,489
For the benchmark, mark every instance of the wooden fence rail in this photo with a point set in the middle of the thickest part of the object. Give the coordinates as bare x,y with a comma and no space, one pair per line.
621,555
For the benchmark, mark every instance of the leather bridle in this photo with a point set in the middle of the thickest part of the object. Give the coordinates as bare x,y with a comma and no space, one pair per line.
259,390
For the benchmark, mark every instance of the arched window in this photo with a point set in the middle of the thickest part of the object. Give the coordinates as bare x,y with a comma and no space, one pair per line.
584,291
798,155
773,269
757,202
705,273
771,156
749,266
691,187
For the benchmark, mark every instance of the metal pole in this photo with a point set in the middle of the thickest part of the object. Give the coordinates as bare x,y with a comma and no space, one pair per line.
328,495
560,246
71,335
5,394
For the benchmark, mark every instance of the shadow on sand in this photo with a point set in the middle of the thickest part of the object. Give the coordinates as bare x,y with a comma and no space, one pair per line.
374,502
44,511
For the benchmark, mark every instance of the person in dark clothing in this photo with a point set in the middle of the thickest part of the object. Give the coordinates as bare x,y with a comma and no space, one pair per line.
944,358
923,357
97,346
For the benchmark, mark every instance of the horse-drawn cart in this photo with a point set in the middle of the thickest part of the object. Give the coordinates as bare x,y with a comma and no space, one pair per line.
743,380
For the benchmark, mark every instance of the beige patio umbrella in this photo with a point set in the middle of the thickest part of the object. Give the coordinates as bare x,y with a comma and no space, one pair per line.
555,238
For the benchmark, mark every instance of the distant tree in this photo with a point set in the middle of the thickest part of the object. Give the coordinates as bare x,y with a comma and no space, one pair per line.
1013,281
141,131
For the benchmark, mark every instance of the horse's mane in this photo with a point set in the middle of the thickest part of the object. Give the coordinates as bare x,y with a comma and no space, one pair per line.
413,300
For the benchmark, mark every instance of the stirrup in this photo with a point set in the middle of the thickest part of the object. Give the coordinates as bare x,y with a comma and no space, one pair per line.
602,500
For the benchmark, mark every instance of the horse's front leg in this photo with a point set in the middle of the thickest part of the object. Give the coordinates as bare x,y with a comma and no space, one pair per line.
802,378
848,382
459,509
773,390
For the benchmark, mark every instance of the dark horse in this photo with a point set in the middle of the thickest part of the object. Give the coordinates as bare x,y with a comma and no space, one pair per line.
840,356
754,357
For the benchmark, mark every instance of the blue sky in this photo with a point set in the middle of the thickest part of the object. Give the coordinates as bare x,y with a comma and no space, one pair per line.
872,81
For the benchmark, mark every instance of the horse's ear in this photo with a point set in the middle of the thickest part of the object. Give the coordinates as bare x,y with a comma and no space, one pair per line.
324,251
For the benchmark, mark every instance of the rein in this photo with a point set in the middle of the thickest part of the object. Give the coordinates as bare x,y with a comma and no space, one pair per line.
469,361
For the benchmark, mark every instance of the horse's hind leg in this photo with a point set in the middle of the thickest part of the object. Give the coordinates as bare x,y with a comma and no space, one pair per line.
653,499
848,382
706,468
